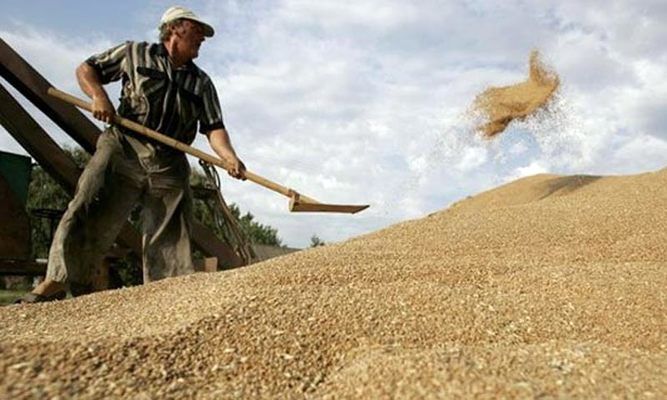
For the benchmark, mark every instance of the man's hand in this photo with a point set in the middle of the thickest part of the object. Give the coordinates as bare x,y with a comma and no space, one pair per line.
103,109
237,169
91,85
220,143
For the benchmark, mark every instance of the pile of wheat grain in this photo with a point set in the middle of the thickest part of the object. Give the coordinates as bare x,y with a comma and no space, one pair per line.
546,287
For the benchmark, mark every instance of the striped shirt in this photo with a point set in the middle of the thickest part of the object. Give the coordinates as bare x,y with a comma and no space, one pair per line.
169,100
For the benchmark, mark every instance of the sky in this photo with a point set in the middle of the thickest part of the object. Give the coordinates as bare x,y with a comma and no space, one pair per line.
368,101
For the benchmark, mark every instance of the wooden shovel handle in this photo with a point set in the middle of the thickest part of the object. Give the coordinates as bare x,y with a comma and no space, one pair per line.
171,142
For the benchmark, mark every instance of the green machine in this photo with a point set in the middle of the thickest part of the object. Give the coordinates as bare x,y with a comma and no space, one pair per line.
15,172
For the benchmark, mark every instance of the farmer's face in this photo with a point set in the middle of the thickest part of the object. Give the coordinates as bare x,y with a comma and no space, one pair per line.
191,36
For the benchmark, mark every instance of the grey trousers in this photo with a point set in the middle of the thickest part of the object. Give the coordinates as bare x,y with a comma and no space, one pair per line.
122,173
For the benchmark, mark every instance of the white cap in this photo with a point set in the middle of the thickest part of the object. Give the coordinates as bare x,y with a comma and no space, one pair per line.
177,12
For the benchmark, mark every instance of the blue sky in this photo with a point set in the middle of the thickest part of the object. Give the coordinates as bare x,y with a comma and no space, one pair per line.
367,101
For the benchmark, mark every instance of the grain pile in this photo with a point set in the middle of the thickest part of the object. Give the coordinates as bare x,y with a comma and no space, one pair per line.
546,287
498,106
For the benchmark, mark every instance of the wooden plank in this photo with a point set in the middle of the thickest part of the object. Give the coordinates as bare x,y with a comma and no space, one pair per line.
210,245
23,267
208,264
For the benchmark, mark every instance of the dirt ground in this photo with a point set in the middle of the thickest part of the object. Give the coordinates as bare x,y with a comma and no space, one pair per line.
548,287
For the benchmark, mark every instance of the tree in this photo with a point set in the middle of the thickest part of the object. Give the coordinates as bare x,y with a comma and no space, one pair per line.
315,241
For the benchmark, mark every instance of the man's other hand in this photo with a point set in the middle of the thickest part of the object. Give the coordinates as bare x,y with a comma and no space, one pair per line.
103,109
237,169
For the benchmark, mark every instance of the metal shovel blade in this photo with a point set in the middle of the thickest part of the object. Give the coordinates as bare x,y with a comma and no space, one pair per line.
334,208
306,206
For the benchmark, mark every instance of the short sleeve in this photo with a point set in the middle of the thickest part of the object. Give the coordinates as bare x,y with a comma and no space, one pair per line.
211,117
110,64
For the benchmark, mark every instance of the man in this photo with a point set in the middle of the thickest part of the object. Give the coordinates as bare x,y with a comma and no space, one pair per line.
164,90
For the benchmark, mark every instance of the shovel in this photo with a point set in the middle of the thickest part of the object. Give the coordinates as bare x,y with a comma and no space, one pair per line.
298,202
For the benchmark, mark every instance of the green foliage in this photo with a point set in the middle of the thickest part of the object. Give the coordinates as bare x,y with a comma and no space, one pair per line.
258,233
315,241
9,296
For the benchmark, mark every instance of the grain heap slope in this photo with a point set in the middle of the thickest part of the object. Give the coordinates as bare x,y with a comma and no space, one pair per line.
545,286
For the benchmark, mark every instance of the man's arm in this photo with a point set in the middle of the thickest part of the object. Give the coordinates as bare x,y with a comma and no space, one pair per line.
90,83
222,145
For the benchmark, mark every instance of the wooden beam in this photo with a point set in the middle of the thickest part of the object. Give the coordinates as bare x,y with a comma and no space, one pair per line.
23,267
210,245
25,130
33,86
